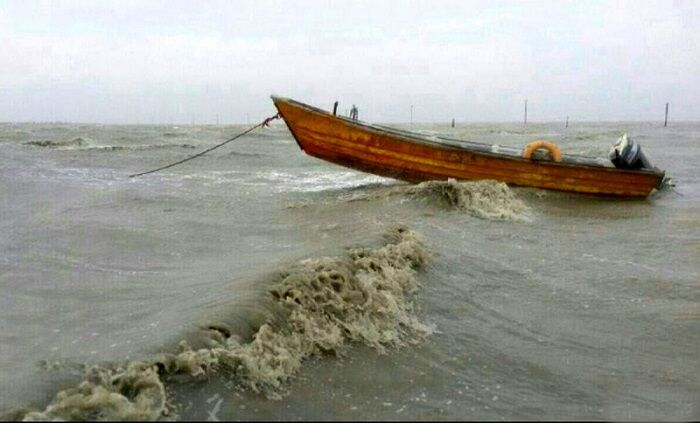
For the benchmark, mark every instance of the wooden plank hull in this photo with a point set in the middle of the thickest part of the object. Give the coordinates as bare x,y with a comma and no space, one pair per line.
397,155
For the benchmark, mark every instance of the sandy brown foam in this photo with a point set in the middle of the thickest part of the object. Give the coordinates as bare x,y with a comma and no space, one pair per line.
485,199
324,305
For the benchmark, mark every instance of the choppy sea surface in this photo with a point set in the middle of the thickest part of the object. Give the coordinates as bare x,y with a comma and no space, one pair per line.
303,290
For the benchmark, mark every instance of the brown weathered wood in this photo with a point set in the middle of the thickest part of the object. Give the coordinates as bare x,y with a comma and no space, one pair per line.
415,158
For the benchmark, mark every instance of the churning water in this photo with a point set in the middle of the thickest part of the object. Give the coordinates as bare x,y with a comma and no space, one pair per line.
259,283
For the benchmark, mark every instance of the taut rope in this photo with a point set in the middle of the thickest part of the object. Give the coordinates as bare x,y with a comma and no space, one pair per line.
260,125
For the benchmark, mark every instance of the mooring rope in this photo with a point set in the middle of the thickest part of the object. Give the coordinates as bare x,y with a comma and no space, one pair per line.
261,124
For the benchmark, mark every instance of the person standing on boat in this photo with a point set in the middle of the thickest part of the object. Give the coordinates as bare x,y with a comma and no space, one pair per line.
353,112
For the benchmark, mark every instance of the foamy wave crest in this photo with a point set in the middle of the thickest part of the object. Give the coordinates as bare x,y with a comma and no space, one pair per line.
74,143
137,147
84,145
314,181
322,304
484,199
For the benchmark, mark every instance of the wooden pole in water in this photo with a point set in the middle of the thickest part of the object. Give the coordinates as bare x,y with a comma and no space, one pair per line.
666,118
411,114
525,121
567,121
453,122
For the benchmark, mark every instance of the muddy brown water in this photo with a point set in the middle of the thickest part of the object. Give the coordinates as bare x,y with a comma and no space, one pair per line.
529,304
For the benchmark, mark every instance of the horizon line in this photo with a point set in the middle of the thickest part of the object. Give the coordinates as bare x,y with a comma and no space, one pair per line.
447,122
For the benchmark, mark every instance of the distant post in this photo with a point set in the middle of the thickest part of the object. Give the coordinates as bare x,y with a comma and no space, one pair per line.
335,108
453,122
411,114
666,118
567,121
525,120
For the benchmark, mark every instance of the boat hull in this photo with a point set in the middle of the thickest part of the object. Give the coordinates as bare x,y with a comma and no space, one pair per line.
397,155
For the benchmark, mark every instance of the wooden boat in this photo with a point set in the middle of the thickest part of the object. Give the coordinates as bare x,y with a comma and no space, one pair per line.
414,157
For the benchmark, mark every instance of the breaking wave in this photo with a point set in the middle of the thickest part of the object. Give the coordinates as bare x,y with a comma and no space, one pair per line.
74,143
138,147
321,305
84,145
483,199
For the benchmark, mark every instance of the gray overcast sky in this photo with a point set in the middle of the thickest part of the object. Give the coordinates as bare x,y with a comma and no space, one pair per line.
183,61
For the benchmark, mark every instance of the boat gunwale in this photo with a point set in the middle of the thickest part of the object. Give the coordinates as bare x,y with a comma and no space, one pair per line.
413,137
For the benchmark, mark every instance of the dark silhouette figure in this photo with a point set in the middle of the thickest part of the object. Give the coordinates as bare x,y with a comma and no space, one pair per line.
353,112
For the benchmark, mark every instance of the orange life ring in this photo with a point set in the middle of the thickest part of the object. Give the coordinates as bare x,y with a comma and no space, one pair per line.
547,145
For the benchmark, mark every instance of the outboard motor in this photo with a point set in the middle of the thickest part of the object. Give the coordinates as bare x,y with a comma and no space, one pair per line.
627,154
